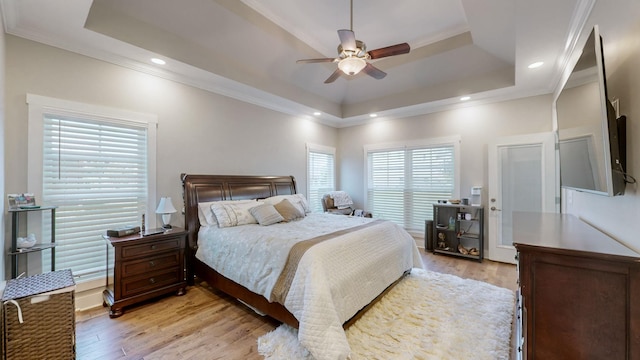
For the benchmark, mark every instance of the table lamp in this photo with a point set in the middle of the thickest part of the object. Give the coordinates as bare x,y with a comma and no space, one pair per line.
165,207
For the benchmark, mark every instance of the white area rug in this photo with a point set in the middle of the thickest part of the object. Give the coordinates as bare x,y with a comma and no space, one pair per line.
427,315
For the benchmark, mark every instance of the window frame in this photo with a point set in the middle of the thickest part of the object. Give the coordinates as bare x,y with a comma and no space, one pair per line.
454,141
39,106
328,150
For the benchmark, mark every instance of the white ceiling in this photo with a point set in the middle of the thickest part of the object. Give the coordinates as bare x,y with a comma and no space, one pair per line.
248,49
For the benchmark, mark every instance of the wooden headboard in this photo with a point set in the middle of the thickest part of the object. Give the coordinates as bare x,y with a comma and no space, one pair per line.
204,188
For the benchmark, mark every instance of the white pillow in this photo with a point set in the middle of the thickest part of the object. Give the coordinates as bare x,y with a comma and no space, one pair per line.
266,214
205,214
234,214
298,200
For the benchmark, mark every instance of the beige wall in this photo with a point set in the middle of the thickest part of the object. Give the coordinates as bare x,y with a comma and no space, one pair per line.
198,131
618,216
2,132
477,126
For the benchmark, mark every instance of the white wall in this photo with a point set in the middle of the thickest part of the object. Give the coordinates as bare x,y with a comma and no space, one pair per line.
198,131
618,216
2,126
476,125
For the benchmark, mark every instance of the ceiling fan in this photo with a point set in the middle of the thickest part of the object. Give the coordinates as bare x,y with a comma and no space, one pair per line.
353,55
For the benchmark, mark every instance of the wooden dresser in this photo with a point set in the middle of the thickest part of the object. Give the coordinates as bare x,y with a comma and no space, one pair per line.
579,291
145,267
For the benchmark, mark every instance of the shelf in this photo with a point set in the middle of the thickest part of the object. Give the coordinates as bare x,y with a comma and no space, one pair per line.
456,253
470,236
15,252
40,208
452,229
34,248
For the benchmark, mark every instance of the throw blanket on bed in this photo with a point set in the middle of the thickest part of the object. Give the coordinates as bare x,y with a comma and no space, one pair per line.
281,288
341,199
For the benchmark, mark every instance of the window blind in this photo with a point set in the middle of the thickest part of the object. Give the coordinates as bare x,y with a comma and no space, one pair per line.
96,173
320,175
403,184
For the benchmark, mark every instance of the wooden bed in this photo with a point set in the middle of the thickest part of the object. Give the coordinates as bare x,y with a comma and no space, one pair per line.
205,188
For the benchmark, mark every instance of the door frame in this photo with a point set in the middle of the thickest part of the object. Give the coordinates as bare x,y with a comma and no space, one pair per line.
506,253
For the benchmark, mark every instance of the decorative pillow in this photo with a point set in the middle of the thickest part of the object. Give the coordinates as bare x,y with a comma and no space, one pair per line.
205,214
234,214
266,214
298,200
288,210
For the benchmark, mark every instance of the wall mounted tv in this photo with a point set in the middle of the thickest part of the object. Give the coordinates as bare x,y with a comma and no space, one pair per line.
592,141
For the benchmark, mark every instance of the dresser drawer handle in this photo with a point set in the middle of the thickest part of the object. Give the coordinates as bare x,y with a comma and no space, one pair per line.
153,247
152,280
152,263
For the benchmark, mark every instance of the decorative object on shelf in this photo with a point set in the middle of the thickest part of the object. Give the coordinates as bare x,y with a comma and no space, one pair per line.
476,195
165,207
462,249
22,201
26,242
442,244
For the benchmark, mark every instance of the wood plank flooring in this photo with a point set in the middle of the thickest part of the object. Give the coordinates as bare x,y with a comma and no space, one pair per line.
205,324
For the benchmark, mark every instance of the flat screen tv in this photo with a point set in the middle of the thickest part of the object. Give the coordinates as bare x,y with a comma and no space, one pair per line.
592,141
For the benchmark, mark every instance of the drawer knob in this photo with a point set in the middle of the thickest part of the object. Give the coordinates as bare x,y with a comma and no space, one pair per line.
153,247
152,280
152,263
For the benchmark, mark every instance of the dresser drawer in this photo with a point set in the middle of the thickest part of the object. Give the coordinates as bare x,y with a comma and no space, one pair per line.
136,285
151,247
147,265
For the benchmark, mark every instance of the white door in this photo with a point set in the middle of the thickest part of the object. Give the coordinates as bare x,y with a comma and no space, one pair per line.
522,177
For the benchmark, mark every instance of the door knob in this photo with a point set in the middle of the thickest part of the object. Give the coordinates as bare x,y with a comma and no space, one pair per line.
493,208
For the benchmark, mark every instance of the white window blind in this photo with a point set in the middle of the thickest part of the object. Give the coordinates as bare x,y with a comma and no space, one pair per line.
320,174
404,183
96,173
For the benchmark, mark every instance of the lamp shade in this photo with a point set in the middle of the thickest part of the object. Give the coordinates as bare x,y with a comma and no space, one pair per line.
165,206
351,65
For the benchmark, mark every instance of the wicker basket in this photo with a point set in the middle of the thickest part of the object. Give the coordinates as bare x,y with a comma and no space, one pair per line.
48,311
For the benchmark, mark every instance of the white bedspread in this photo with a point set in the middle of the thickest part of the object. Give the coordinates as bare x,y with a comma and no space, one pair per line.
334,280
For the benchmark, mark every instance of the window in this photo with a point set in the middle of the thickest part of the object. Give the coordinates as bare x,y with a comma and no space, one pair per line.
405,180
320,174
98,166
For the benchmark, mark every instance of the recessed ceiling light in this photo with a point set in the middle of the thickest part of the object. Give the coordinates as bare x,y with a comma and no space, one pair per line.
158,61
373,115
536,65
317,113
465,98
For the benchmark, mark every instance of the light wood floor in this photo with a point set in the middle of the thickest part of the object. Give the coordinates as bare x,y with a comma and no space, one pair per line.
207,325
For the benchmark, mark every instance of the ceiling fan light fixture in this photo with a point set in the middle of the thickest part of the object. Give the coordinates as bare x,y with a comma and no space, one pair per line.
351,65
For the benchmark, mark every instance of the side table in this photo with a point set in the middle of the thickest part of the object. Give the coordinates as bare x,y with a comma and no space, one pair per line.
144,267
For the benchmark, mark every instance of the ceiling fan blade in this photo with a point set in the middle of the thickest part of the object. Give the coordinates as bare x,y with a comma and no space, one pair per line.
333,77
392,50
307,61
374,71
347,40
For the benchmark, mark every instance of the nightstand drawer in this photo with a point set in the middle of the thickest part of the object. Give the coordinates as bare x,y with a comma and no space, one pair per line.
151,247
133,286
138,267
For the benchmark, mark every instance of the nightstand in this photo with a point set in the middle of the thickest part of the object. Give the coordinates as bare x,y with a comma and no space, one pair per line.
143,267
